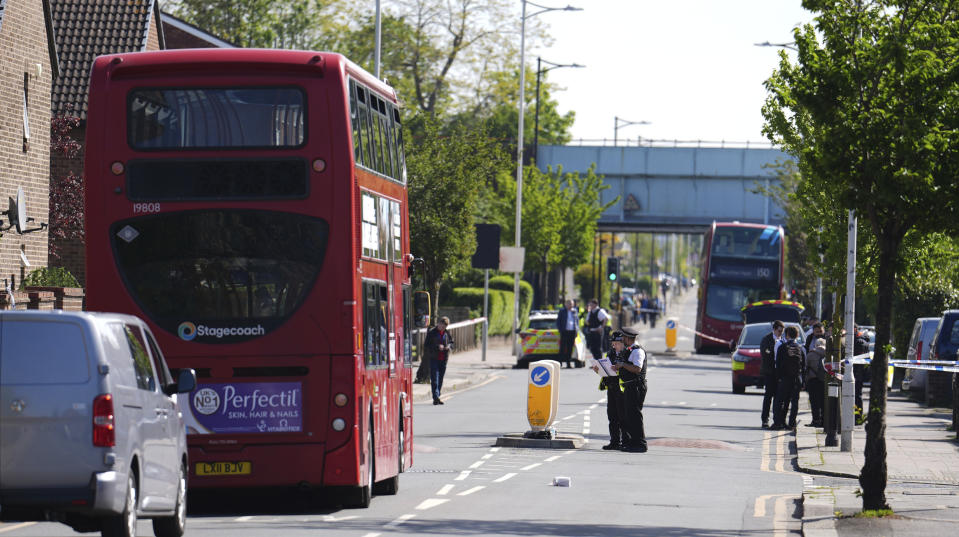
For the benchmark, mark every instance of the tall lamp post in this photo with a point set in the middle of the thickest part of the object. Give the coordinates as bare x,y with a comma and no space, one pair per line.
620,122
540,71
519,144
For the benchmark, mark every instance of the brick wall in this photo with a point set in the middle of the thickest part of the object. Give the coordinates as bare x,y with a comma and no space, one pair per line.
23,50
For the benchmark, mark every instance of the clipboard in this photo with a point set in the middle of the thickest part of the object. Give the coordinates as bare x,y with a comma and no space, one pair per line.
605,368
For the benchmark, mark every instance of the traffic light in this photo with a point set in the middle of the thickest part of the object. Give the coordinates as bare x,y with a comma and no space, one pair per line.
612,268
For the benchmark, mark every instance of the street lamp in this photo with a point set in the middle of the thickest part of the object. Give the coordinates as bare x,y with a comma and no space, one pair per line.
620,122
540,71
791,45
519,141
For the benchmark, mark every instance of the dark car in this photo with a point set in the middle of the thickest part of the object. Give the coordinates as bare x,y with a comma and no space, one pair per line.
945,343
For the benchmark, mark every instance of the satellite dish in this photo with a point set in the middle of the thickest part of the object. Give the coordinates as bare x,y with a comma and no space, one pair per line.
17,214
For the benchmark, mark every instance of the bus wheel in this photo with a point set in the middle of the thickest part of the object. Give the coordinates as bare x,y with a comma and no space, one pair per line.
362,495
391,485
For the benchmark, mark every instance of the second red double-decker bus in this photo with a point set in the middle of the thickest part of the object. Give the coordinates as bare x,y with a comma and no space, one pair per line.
251,205
742,263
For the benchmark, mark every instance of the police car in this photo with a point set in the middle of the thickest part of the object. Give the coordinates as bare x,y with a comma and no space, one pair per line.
540,341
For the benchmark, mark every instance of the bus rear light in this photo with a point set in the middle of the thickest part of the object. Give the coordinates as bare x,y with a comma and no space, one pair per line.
339,424
104,433
341,400
319,165
117,168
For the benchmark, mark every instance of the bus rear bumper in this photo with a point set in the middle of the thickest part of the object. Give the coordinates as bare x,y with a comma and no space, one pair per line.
269,465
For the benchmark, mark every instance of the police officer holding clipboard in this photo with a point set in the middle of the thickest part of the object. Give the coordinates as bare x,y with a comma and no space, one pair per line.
632,374
618,437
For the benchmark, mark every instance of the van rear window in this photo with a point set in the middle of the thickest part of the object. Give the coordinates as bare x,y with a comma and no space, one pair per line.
47,352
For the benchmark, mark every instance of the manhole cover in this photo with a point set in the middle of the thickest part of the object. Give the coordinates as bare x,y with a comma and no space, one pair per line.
693,443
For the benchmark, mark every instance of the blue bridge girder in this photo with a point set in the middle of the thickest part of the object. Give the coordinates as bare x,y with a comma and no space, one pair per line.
676,189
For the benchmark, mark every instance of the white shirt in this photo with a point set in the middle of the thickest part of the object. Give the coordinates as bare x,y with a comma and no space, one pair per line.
637,357
779,341
570,320
602,315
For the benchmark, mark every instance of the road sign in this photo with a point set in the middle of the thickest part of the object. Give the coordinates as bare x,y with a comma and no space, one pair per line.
542,401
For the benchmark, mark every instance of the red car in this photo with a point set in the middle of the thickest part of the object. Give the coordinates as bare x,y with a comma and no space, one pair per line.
746,359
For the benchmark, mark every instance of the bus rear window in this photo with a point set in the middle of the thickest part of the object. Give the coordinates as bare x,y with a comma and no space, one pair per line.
198,118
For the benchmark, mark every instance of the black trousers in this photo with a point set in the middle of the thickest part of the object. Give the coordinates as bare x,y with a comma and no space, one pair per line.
787,394
567,338
595,343
615,409
634,395
859,370
816,390
768,395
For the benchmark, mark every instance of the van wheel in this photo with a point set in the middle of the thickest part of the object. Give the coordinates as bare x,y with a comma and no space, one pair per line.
174,526
124,524
362,495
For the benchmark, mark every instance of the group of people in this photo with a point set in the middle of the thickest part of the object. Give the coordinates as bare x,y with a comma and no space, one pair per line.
595,326
788,366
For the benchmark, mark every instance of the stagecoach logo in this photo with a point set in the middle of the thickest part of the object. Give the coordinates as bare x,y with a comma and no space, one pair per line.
206,401
187,331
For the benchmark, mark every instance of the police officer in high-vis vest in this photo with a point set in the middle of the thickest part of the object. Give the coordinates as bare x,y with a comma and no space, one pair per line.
614,396
632,374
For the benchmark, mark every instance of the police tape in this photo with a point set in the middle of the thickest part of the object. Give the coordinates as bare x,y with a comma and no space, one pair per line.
704,336
926,365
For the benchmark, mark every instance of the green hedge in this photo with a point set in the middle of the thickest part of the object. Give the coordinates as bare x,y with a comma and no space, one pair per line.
505,283
49,277
500,306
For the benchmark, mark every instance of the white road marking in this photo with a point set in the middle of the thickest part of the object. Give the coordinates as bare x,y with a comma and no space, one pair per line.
603,400
243,519
504,478
712,404
445,490
16,527
594,405
682,402
430,503
568,417
553,458
476,464
372,535
463,475
494,449
585,430
401,519
472,490
531,466
567,452
487,456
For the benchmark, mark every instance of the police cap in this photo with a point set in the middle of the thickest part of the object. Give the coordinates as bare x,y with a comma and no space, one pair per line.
616,336
629,332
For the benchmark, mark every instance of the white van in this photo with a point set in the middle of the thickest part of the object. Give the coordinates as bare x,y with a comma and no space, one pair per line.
90,431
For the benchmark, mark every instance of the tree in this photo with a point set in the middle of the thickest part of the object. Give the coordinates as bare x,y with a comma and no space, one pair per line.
66,192
446,171
870,111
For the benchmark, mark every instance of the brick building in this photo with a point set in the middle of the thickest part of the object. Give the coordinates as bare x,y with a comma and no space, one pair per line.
28,67
84,30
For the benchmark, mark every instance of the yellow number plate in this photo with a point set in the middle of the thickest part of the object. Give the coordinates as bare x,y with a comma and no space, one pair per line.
738,366
224,468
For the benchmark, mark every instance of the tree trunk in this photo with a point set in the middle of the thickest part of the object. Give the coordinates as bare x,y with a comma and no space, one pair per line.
874,472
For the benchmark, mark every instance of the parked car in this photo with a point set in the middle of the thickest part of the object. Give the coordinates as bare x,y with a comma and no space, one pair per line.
746,359
540,340
90,431
920,346
945,347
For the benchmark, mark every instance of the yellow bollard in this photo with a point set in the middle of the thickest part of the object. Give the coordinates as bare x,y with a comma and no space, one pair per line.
542,401
672,325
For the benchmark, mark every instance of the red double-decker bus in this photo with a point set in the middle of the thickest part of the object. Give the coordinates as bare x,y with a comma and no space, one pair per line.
742,263
251,205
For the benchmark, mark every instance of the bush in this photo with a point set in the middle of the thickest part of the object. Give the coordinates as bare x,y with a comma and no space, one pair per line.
49,277
505,283
500,306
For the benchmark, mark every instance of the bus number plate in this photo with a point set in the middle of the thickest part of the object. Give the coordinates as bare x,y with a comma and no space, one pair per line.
224,468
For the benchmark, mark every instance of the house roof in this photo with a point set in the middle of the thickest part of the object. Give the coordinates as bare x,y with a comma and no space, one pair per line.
86,29
182,32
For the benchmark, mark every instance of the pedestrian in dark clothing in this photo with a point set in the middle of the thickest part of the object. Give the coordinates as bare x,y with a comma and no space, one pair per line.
643,307
860,346
816,380
767,350
567,322
596,321
656,306
632,373
436,348
618,436
817,332
790,360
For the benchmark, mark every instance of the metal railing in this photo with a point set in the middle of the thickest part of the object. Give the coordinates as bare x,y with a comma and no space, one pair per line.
650,142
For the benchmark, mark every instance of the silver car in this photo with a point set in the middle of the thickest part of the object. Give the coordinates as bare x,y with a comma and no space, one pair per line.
90,431
920,344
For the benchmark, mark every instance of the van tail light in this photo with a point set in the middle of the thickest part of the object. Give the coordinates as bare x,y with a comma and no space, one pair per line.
104,425
919,351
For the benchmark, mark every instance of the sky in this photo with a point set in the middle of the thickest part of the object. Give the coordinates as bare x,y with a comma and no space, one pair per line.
689,67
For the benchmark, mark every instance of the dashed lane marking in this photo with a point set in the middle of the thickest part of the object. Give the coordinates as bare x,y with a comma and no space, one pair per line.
463,475
445,490
472,490
243,519
401,519
476,465
430,503
553,458
504,478
487,456
372,535
531,466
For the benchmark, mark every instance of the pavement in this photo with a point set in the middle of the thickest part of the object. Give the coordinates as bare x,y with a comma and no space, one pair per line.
922,460
466,370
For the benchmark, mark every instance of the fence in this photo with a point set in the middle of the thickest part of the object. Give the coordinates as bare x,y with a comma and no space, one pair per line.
466,335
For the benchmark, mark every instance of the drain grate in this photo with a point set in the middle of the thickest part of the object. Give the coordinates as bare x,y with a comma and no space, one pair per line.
694,443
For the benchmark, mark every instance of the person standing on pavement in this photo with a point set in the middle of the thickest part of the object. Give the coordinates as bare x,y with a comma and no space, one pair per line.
615,410
767,350
816,380
790,360
860,346
632,374
567,322
817,332
437,347
596,321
